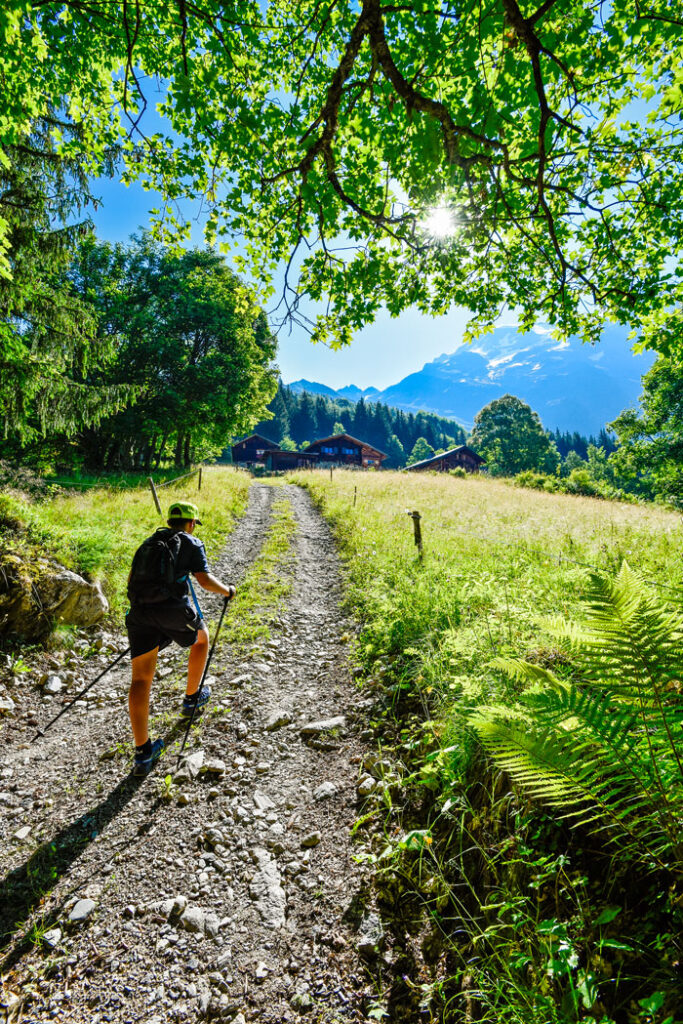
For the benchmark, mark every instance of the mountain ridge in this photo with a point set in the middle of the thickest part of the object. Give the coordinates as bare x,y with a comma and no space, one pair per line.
571,386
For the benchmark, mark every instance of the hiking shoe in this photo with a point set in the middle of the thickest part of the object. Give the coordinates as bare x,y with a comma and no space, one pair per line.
144,763
201,699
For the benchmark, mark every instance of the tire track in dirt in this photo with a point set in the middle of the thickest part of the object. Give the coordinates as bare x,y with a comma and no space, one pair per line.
239,894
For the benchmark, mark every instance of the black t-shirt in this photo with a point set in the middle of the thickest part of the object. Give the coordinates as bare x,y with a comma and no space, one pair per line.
191,558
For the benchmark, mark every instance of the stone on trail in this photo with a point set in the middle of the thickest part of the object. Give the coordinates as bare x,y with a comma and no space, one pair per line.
262,801
266,890
311,840
325,725
277,719
52,938
214,767
212,925
193,920
366,786
370,935
302,1002
23,833
81,911
325,791
6,703
193,763
53,684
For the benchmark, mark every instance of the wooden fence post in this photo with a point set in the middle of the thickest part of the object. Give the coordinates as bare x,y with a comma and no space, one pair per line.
417,530
154,494
199,482
330,472
355,489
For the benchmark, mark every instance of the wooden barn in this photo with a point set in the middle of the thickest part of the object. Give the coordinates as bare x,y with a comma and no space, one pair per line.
461,457
280,459
344,450
252,449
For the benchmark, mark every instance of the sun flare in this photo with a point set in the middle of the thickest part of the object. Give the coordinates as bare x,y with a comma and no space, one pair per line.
439,222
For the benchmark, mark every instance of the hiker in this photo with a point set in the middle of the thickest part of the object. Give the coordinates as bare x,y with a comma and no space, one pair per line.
160,613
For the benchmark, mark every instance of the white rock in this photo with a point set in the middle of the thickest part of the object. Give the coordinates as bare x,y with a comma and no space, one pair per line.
52,938
262,801
23,833
81,911
366,786
193,919
193,763
325,725
266,890
324,791
6,703
53,684
278,719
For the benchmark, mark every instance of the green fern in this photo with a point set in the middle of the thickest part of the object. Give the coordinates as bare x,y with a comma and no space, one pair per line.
607,747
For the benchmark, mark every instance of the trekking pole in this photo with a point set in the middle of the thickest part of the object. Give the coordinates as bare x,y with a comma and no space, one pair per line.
201,681
41,732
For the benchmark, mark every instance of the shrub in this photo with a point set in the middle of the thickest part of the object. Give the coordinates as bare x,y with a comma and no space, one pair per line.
580,481
532,478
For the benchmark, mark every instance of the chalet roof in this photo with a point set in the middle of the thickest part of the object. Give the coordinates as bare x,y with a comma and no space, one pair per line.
444,455
257,437
346,437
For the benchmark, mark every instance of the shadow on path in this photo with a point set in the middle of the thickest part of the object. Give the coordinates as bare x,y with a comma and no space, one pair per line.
25,886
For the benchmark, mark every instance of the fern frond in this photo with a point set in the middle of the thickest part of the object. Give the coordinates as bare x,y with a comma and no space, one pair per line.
607,749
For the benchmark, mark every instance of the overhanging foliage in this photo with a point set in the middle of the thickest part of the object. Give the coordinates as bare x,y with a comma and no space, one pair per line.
547,136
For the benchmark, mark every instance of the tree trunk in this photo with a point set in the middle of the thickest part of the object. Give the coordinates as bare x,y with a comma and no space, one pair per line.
160,453
187,457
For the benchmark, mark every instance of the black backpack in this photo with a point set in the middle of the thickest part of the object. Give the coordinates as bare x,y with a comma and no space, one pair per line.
153,576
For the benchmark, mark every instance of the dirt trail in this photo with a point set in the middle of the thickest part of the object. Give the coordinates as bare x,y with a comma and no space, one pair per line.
234,893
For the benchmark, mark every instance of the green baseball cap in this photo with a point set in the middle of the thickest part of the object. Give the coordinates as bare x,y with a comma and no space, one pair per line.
184,510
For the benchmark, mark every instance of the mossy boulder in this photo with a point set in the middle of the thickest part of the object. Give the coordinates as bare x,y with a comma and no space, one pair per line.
37,593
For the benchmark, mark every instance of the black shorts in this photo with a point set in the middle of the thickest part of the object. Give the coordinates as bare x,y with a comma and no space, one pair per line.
158,625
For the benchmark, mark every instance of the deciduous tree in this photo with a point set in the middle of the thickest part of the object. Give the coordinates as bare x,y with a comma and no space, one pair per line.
511,438
405,154
190,339
649,456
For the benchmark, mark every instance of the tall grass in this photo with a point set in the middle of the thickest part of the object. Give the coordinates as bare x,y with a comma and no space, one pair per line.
533,920
96,532
496,559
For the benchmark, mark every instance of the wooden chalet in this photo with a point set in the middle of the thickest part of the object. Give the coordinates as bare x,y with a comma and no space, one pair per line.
280,459
252,449
461,457
344,450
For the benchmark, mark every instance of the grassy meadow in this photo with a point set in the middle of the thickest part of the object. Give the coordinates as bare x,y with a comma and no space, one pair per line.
497,559
97,530
527,917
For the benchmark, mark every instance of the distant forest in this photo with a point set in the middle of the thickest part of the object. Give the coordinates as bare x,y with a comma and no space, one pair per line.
574,442
300,417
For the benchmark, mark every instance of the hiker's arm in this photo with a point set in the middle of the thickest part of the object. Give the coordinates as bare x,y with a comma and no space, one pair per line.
209,582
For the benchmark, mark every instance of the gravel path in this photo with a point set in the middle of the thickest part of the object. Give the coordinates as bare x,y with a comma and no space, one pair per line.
230,891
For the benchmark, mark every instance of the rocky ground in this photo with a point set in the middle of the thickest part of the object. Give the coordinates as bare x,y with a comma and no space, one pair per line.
224,888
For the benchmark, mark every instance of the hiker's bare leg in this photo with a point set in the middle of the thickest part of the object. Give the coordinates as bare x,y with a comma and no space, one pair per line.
138,697
197,660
